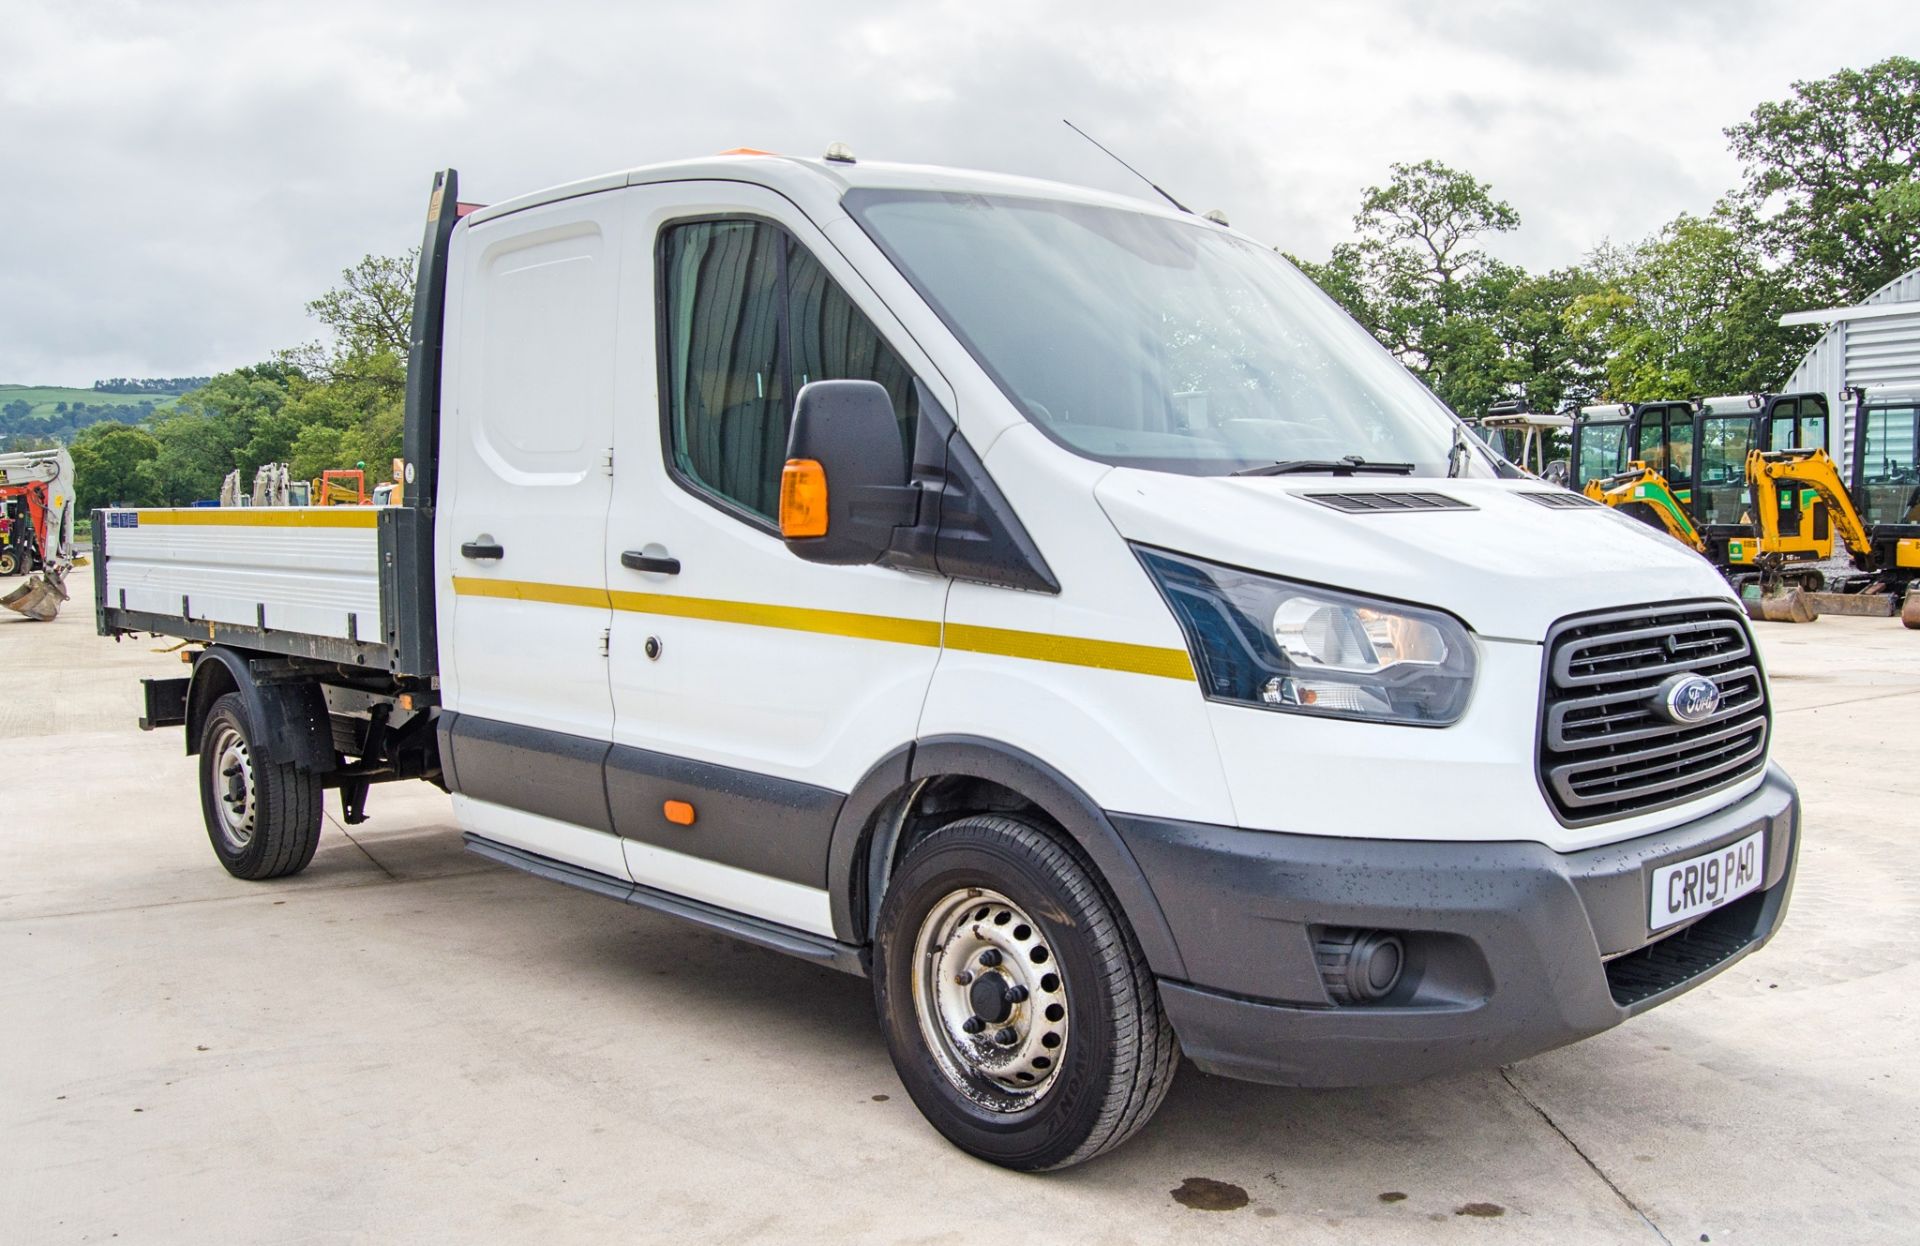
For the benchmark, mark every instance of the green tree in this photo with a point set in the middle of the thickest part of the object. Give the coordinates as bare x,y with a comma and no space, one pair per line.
1473,328
234,421
1693,310
357,418
1546,356
1829,179
106,463
368,317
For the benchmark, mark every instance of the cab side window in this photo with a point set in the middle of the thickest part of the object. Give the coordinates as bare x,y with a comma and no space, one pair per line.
748,317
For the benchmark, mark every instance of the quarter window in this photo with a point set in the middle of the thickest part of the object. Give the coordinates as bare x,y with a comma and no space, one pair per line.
750,317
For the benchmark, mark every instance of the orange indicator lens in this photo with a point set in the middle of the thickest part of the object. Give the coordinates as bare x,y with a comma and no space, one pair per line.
803,499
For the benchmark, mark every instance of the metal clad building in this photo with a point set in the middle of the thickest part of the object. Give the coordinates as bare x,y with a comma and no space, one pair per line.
1875,344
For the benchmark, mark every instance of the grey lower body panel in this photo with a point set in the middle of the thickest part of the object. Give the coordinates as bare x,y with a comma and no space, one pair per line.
842,956
1512,948
755,822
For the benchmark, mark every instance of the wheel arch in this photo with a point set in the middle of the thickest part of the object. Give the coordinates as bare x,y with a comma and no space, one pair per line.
920,786
291,717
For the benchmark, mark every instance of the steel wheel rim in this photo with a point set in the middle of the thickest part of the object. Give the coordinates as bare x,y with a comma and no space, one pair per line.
977,948
234,792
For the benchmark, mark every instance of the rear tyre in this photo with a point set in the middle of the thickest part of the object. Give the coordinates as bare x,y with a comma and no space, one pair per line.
263,817
1018,1009
9,562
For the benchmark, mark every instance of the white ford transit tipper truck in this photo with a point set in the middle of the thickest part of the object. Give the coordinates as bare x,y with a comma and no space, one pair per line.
1049,605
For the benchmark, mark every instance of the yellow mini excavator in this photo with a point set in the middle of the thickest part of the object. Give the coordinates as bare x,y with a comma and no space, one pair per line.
1886,561
1644,493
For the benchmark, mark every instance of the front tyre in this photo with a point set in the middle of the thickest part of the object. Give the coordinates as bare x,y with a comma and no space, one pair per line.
263,817
1019,1011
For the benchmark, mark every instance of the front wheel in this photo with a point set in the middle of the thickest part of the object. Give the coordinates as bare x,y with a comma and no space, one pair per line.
263,817
1018,1009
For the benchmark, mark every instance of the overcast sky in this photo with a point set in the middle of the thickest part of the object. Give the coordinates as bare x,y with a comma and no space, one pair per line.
178,177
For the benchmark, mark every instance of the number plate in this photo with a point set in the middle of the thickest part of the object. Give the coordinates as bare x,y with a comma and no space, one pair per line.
1702,884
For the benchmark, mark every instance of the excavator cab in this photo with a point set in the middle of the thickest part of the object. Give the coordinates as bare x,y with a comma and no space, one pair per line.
1725,430
1886,479
1599,443
1533,441
1660,434
16,540
1638,458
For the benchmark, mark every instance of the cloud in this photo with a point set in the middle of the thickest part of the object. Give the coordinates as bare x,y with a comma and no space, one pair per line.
182,176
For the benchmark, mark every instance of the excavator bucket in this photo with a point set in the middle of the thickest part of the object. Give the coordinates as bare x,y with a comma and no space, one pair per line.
1782,605
39,598
1910,607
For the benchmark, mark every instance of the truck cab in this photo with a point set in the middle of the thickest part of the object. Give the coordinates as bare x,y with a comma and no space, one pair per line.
1046,604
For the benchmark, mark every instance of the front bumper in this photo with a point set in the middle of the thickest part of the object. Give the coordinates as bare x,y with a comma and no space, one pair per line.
1513,948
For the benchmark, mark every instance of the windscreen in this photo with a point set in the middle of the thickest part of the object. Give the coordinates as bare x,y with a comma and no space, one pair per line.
1600,446
1139,340
1719,494
1889,490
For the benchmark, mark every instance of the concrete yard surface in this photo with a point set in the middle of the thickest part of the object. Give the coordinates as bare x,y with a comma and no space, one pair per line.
408,1044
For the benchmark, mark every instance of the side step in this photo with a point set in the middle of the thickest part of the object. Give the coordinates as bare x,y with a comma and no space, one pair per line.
830,952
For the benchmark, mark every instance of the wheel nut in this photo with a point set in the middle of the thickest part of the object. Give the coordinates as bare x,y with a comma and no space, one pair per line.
990,957
1005,1036
1016,993
973,1025
963,978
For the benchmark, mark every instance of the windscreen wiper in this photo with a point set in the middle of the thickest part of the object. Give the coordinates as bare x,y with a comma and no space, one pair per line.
1348,466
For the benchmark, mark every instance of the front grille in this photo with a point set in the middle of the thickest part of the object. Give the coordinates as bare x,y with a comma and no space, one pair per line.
1388,503
1684,956
1605,751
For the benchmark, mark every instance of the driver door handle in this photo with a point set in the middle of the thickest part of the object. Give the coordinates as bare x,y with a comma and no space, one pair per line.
634,560
482,550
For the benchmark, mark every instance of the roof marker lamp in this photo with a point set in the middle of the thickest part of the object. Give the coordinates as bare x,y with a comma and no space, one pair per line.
1274,644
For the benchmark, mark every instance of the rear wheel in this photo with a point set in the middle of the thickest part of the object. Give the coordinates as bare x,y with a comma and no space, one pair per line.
9,562
262,817
1018,1009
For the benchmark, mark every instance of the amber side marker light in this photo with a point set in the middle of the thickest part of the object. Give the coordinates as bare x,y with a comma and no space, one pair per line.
678,812
803,499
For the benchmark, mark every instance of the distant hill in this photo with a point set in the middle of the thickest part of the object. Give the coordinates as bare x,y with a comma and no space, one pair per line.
60,411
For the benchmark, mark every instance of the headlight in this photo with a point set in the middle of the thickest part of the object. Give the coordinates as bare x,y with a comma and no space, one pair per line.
1302,649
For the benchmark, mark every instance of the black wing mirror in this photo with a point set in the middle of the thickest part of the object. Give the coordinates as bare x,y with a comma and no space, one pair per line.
846,485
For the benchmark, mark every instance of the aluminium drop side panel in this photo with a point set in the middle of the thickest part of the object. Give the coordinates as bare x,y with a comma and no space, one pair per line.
300,571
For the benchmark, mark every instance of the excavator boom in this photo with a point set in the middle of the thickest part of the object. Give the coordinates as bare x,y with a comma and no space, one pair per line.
1771,471
1644,493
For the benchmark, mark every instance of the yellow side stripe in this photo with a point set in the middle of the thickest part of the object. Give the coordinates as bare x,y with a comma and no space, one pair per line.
526,590
789,618
1107,655
264,517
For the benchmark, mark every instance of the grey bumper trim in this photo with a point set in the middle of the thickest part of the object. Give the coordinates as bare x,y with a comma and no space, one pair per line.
1509,943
